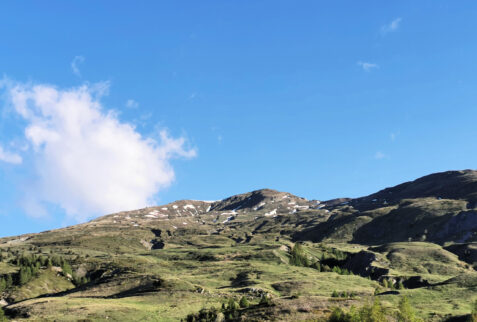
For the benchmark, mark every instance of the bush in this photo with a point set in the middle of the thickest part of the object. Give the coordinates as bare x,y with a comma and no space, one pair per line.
335,294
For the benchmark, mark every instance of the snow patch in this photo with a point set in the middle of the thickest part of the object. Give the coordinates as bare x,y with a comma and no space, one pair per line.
229,218
229,213
271,213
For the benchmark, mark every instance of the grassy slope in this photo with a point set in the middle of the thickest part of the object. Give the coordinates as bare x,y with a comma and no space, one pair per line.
190,283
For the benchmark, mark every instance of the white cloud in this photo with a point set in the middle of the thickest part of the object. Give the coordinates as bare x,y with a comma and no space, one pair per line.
9,157
367,66
132,103
87,161
74,65
379,155
391,27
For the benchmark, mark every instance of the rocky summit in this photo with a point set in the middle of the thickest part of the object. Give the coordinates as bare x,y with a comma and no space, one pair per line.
257,256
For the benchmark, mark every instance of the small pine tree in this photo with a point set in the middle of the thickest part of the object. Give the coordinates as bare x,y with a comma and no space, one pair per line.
24,275
473,314
405,314
391,284
9,281
400,285
298,256
232,305
2,316
243,302
265,300
67,268
316,265
338,315
377,312
3,284
325,268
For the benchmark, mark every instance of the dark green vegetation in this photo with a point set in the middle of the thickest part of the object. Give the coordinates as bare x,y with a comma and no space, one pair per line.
403,254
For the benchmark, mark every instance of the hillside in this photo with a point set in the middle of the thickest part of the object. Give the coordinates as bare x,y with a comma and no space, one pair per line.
417,239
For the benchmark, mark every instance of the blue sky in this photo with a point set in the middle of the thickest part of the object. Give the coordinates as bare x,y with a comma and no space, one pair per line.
323,99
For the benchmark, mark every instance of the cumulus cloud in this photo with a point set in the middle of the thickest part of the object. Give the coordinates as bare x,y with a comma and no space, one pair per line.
87,161
9,157
391,27
74,65
367,66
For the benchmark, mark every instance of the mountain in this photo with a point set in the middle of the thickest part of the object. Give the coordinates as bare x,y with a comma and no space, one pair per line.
292,258
439,208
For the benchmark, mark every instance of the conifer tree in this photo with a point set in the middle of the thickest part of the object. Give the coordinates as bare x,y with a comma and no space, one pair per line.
243,302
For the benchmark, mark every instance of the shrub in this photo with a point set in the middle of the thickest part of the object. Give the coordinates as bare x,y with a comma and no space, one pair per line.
335,294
